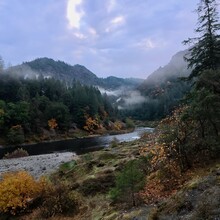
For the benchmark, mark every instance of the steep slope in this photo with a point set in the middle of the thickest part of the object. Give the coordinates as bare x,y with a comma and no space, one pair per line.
162,90
177,67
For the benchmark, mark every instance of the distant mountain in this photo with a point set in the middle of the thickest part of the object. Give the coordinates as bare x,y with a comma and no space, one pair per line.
177,67
49,68
113,82
162,90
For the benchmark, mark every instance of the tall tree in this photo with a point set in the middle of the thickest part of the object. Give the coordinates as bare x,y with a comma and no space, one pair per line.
205,53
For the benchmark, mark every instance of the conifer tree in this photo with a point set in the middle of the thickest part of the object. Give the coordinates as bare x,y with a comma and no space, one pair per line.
205,53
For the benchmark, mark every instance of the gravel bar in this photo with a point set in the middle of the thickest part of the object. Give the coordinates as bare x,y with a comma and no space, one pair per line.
36,165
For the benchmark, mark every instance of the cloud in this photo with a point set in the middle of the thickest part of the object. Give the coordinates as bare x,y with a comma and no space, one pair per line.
92,31
118,20
150,43
122,38
146,43
115,23
128,98
134,98
74,14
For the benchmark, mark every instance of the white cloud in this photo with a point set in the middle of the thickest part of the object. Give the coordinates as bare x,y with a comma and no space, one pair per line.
134,98
148,43
73,13
119,20
115,22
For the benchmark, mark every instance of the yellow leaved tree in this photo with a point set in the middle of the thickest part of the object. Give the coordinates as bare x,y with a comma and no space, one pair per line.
17,190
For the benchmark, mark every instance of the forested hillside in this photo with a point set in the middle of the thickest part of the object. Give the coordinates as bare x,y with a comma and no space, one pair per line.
29,106
68,74
162,90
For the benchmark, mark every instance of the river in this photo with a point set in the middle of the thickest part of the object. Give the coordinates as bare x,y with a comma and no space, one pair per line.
78,146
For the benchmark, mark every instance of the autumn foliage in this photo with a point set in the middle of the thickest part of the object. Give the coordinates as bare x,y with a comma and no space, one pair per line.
17,190
117,125
92,123
52,123
168,158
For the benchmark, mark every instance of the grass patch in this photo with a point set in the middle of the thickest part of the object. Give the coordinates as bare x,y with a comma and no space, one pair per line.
68,166
107,156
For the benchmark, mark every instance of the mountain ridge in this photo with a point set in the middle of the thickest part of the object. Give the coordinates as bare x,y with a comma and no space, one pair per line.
177,67
49,68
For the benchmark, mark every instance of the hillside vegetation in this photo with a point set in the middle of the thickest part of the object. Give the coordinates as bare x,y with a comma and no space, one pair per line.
163,90
42,107
171,173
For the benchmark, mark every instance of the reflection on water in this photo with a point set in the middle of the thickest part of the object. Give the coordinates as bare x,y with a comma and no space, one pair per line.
79,146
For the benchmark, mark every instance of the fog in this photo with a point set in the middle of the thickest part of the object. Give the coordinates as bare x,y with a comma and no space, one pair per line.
25,72
125,97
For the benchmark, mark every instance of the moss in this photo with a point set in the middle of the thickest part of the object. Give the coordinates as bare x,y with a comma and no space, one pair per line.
107,156
97,184
68,166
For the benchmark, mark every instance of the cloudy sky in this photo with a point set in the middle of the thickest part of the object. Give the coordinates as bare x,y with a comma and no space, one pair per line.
125,38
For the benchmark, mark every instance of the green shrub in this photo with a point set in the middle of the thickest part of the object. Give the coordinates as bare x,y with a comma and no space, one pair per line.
129,123
68,166
128,182
15,135
87,157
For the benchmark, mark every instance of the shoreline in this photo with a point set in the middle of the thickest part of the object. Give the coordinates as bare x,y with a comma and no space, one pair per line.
31,143
36,165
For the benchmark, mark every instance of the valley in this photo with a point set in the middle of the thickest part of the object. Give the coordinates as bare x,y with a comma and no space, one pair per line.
91,128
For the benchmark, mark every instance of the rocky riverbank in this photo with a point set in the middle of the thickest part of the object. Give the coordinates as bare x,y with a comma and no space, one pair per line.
36,165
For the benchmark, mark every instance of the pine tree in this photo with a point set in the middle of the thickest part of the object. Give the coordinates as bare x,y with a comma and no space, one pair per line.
203,101
128,182
205,53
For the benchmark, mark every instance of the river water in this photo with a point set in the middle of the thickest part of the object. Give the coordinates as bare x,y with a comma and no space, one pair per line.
78,146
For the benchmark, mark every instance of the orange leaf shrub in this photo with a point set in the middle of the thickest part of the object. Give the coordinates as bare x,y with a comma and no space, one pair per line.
52,123
91,124
165,148
17,190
